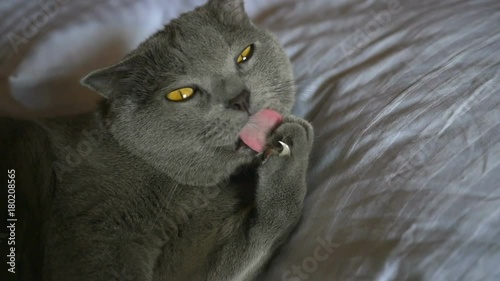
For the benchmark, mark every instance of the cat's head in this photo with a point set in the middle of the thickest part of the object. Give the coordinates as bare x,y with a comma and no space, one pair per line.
180,99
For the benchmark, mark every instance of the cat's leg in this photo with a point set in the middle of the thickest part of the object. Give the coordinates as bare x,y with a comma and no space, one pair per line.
278,205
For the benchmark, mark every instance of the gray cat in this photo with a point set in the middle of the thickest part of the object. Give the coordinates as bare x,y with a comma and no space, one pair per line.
156,185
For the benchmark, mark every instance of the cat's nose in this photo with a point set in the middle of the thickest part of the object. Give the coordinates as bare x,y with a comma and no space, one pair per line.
240,102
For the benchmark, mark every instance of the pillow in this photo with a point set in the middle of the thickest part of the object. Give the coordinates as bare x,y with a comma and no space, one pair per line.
404,99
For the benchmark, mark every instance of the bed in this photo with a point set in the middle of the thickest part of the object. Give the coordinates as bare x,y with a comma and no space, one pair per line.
403,95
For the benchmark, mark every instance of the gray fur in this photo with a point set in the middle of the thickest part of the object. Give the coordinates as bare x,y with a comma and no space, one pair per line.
156,190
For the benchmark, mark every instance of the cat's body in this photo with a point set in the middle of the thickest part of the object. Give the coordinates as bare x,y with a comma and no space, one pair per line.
147,189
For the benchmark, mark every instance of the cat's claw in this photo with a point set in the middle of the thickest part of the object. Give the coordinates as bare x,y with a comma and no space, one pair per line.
285,150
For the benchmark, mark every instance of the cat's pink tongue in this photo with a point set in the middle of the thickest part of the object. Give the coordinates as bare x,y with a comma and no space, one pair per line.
255,132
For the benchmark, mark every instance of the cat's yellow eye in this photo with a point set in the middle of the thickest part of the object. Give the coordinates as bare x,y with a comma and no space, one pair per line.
246,54
180,94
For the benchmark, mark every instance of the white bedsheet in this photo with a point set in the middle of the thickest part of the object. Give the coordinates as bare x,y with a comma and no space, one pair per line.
405,100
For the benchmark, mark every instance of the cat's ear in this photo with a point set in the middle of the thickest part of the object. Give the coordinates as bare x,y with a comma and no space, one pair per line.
230,9
104,81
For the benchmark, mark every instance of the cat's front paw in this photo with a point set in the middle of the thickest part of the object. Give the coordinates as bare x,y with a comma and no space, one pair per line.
290,142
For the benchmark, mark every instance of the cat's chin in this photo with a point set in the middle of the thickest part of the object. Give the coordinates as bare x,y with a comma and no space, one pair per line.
246,151
243,149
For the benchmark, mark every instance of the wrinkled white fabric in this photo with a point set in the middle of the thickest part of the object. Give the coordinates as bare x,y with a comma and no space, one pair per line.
404,98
